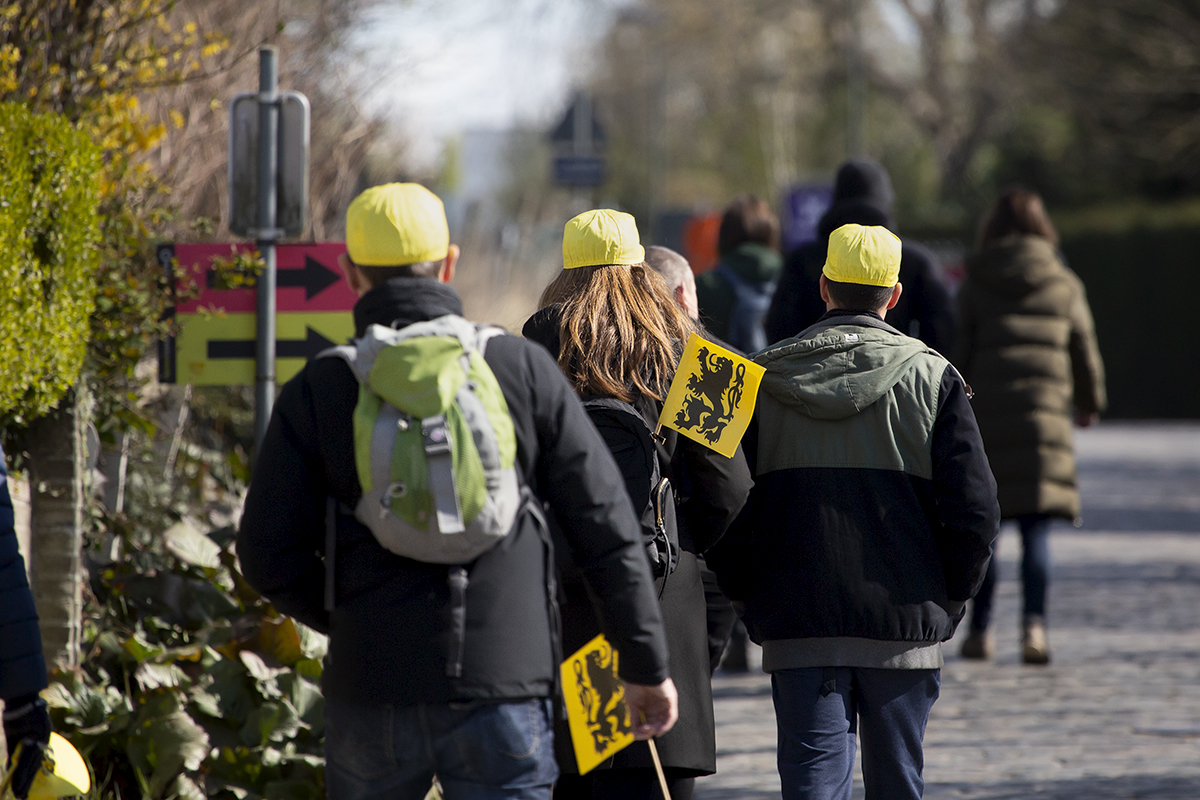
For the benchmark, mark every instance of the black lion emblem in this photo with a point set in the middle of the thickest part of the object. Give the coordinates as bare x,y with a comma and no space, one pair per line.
602,696
713,395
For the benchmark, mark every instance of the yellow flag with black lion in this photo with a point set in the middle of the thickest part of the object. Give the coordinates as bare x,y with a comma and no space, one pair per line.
712,397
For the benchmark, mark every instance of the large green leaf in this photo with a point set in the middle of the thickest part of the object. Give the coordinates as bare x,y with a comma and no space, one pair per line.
165,742
188,543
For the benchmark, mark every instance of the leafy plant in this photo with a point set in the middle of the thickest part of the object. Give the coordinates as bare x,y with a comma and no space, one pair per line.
191,685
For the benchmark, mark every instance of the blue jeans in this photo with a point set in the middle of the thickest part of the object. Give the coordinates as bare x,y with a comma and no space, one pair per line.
479,751
1035,573
818,730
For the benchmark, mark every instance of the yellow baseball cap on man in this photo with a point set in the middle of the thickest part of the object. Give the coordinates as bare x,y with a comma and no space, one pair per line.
396,224
602,237
863,254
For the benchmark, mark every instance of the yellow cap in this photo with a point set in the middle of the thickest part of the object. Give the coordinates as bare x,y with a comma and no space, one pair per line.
600,237
63,773
396,224
866,254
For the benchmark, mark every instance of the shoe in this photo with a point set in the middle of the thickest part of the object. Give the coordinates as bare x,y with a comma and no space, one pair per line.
977,646
1035,649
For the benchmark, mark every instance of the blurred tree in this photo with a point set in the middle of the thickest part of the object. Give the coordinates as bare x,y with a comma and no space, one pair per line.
706,99
1128,71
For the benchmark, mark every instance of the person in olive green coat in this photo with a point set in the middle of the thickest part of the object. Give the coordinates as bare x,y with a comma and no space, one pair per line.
1027,346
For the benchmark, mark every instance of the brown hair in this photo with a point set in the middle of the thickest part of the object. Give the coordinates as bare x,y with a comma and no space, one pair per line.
377,276
747,219
620,331
1017,211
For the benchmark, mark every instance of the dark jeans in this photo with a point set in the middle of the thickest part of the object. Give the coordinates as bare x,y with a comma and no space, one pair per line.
1035,573
818,731
479,751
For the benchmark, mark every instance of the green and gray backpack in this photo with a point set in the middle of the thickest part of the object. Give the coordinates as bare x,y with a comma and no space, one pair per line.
434,444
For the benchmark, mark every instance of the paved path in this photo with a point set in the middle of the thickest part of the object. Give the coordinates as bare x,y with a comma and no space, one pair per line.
1117,713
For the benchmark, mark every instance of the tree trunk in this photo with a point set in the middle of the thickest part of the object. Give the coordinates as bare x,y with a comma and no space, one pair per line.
56,467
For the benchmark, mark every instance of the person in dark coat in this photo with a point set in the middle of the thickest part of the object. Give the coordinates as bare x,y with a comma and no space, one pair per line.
22,665
1027,345
395,714
617,333
862,194
726,635
733,298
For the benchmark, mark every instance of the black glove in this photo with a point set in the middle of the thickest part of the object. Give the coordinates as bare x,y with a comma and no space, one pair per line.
26,722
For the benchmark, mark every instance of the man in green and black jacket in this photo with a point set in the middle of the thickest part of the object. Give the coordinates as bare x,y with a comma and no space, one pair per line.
869,527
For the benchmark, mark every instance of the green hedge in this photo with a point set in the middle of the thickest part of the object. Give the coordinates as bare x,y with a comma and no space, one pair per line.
49,233
1142,287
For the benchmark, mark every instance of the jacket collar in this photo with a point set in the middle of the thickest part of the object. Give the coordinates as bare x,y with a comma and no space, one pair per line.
403,301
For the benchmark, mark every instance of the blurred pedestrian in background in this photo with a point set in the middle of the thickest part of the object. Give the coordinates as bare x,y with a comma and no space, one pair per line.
862,194
735,296
1027,346
22,666
618,333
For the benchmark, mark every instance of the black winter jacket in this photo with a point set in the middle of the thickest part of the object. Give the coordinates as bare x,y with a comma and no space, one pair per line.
873,512
22,666
389,630
863,195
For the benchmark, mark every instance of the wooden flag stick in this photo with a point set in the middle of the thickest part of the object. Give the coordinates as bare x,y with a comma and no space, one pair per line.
662,779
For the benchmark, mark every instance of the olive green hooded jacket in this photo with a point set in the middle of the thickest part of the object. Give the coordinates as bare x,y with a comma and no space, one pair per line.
1027,346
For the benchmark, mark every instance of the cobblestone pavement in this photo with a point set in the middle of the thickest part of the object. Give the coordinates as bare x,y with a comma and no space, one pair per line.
1117,713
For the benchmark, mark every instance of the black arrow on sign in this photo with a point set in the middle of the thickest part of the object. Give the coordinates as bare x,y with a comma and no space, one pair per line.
307,347
314,277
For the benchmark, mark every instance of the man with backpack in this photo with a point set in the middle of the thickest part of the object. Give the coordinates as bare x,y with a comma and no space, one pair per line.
377,510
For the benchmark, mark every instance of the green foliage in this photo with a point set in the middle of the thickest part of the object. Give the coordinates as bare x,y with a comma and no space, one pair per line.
192,686
49,231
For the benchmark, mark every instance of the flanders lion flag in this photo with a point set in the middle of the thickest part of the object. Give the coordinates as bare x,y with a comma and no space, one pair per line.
712,397
595,702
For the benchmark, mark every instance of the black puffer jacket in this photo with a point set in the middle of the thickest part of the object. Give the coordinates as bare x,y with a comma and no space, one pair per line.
389,630
863,195
711,490
22,666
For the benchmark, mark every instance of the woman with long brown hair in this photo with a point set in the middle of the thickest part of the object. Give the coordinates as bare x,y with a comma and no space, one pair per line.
617,333
1028,347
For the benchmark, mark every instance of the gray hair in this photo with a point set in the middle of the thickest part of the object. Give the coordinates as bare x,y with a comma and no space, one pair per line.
673,267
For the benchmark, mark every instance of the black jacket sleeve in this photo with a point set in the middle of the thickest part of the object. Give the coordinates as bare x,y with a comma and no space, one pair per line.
732,558
22,666
964,492
714,490
577,477
282,532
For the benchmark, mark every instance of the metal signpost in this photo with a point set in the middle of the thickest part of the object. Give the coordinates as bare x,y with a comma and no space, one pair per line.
260,186
579,141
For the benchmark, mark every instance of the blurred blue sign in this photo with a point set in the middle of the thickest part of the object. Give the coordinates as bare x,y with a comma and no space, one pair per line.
803,207
579,170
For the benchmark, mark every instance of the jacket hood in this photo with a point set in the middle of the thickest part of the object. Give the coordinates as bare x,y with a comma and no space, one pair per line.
402,301
542,328
1016,265
754,263
838,367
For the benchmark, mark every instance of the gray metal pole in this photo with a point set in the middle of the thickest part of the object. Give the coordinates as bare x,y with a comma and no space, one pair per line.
268,171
